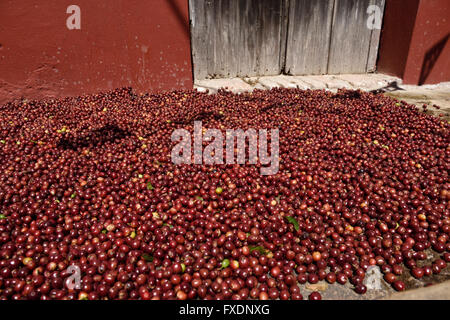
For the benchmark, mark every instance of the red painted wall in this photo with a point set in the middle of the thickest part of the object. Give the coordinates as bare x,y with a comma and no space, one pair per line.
140,43
396,34
429,57
415,44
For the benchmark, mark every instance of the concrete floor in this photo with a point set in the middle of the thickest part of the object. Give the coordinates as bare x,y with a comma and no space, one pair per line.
439,96
432,287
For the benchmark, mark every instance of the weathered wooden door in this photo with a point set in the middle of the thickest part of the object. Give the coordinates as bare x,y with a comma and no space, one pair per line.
240,38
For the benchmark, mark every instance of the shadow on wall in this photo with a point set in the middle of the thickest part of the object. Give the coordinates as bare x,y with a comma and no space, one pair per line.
180,17
431,56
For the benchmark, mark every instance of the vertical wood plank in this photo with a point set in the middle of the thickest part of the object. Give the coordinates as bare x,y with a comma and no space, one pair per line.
308,36
350,37
375,40
271,36
198,40
247,38
259,40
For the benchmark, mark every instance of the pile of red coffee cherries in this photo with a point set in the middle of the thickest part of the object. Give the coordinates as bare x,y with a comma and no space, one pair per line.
88,192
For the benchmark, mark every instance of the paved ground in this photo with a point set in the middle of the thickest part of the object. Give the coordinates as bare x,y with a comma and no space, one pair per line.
438,96
436,292
436,287
419,95
432,287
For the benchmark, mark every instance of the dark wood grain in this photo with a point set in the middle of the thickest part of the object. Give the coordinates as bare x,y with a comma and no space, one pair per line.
350,37
236,38
308,36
